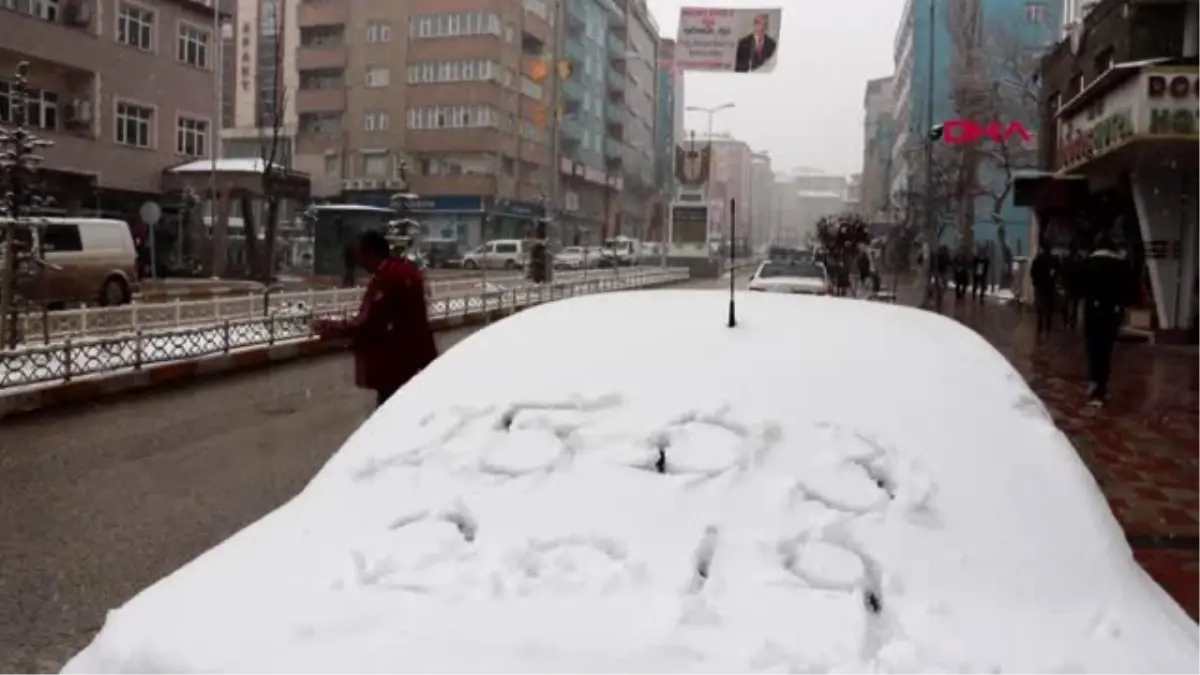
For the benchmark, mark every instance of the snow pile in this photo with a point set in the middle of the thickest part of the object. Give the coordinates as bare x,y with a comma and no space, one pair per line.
680,496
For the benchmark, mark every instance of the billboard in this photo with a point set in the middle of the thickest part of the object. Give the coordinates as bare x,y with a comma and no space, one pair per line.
719,40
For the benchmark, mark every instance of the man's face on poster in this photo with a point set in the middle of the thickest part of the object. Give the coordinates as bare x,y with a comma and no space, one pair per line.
761,22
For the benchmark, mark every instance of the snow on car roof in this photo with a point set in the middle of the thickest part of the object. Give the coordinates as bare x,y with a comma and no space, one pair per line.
668,494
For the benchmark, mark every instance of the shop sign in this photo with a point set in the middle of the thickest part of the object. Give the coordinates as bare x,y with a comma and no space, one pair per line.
1087,141
1173,101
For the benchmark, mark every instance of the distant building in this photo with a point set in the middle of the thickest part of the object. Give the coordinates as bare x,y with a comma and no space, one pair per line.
853,201
876,179
762,182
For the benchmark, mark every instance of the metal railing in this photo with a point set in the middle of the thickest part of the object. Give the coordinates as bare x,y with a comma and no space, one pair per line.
71,358
95,321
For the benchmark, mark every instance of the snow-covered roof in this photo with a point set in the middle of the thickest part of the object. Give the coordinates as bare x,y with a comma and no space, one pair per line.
229,165
780,496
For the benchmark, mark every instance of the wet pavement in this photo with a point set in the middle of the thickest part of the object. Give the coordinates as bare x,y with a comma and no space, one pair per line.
1142,447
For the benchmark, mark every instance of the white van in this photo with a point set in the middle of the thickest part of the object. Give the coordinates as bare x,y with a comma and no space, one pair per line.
91,260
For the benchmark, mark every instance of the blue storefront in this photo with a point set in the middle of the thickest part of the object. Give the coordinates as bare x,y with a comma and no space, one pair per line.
470,219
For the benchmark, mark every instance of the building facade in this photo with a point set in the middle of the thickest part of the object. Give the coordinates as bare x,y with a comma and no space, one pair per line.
124,90
668,127
1119,107
637,63
1011,26
878,139
762,185
730,178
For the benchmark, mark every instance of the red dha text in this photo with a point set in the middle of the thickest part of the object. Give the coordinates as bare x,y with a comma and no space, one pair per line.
957,132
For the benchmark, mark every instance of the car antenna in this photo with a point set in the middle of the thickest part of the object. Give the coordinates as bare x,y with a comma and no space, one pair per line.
732,257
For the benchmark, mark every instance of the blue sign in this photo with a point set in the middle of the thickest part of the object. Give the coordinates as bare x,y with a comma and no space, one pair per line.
506,207
448,203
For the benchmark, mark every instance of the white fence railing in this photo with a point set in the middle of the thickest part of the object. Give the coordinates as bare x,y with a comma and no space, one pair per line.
71,358
95,321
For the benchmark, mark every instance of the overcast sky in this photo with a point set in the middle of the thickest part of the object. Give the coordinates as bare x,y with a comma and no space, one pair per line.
809,111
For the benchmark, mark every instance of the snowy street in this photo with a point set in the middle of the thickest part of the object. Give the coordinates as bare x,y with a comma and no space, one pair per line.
101,502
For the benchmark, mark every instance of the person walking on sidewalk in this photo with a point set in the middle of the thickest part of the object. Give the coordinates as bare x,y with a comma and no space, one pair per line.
1105,283
391,337
979,273
1044,275
1072,288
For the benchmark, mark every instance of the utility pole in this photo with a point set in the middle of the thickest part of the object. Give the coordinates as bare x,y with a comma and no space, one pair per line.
930,226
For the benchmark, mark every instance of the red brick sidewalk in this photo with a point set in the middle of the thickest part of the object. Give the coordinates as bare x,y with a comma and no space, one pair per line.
1142,447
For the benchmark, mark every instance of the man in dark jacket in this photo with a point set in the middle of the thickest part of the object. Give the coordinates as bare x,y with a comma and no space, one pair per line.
1072,288
1044,275
391,337
757,48
1105,283
979,274
961,267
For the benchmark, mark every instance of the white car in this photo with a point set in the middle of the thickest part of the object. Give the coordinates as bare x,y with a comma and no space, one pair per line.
682,497
797,276
571,257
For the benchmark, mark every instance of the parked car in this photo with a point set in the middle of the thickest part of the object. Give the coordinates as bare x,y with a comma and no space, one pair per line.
91,260
572,258
558,494
442,253
506,254
791,277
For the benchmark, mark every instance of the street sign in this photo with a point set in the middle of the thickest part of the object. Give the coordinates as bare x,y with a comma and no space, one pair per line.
151,213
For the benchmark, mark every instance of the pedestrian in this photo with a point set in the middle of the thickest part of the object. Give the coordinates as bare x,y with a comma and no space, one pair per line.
1043,272
961,275
979,273
1105,284
864,269
942,270
1071,286
391,337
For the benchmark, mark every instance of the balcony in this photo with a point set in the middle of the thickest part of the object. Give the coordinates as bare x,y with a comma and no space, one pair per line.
571,129
71,45
613,149
321,58
572,90
616,47
322,13
320,100
615,81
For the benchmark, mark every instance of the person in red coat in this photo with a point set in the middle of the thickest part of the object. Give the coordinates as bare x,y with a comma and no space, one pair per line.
390,337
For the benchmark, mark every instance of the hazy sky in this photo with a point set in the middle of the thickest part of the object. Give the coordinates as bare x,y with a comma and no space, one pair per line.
809,111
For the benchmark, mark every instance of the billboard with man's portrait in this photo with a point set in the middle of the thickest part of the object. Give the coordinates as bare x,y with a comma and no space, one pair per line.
727,40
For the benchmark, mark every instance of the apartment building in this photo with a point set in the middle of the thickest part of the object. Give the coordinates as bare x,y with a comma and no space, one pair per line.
445,99
123,89
640,58
762,182
877,148
731,176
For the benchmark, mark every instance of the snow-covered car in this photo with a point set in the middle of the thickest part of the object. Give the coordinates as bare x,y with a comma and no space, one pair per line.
794,276
780,496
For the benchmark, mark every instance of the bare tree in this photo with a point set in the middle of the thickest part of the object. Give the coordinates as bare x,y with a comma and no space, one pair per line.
994,80
276,160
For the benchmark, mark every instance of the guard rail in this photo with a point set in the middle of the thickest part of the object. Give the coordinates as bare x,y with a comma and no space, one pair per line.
95,321
70,358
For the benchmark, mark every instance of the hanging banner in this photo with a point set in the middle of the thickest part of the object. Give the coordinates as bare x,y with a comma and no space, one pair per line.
727,40
692,165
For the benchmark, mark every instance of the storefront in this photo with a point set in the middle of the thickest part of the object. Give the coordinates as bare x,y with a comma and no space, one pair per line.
469,219
1137,146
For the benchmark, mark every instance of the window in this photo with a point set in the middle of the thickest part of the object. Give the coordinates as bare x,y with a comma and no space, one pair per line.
378,77
46,10
135,26
135,125
1076,84
322,78
193,46
41,106
1103,60
379,31
378,120
376,164
191,137
1035,12
62,237
452,117
475,70
451,25
333,166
